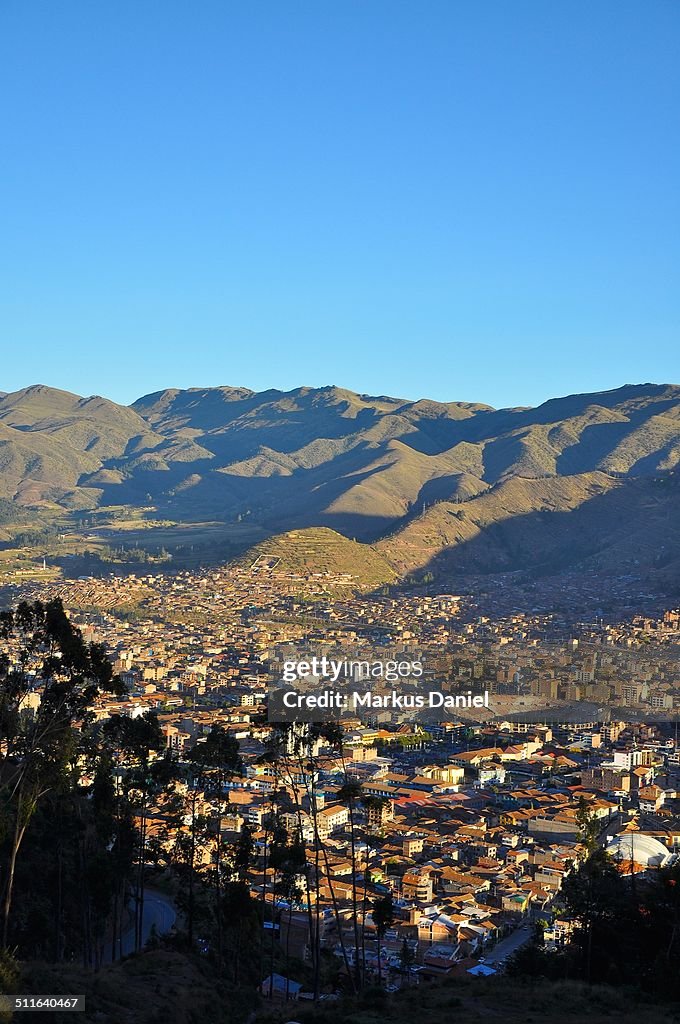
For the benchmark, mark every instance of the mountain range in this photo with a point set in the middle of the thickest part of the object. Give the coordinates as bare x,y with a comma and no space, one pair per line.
452,487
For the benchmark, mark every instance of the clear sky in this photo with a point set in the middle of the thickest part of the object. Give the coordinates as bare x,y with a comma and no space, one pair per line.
460,199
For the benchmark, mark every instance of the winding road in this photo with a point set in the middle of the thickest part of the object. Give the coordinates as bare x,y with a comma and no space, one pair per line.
159,912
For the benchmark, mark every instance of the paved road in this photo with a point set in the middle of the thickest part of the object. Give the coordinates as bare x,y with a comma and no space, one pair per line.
508,945
611,827
159,911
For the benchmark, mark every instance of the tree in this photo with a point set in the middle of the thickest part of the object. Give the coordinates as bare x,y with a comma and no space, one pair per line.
350,795
406,959
140,741
294,756
628,928
211,762
588,828
383,918
288,862
592,894
121,848
49,678
236,905
292,753
667,901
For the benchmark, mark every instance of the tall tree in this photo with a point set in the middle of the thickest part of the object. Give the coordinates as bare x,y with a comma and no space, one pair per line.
406,960
350,795
383,918
49,678
593,896
141,742
588,828
213,762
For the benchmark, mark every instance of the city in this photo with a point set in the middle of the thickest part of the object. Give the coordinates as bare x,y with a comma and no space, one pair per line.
459,832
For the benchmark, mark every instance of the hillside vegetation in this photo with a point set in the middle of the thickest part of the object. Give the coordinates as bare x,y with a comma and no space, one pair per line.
156,987
476,1000
163,987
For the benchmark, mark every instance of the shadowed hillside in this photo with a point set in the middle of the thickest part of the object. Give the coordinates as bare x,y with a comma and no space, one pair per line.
548,525
164,986
473,1000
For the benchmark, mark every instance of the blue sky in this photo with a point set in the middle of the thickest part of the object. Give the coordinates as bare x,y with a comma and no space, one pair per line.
460,199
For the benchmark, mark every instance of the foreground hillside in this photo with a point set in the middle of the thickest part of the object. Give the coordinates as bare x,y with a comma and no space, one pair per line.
157,987
173,988
476,1000
443,487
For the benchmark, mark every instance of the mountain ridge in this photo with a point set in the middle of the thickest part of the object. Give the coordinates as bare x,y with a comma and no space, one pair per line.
369,467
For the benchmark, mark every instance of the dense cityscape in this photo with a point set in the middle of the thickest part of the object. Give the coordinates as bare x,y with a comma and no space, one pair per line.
387,851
